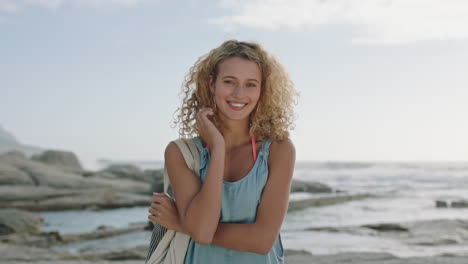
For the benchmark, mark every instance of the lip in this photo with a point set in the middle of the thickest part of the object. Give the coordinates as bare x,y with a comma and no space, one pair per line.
236,107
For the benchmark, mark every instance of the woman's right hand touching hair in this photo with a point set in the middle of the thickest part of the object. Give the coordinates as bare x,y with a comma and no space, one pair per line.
208,131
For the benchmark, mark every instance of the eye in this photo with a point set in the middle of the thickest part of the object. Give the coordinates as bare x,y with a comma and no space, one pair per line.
228,81
251,85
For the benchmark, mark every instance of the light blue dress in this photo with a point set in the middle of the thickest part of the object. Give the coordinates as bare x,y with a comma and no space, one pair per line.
239,205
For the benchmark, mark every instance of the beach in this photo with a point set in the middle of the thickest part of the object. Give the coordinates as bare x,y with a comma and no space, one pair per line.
54,211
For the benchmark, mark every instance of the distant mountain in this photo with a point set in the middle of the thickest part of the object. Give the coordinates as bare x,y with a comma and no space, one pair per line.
9,143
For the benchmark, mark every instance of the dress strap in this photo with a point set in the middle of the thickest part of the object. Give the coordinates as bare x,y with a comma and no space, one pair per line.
254,149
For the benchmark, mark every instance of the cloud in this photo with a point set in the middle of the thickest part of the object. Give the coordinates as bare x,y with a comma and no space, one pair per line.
373,21
14,6
101,3
8,6
48,3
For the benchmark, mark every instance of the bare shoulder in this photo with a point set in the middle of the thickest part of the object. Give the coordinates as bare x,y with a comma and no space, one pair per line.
282,154
282,148
172,154
171,150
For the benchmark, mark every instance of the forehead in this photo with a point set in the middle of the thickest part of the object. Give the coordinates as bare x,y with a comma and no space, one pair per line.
239,68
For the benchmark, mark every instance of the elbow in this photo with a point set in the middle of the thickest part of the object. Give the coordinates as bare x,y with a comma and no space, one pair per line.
203,235
266,245
203,239
264,250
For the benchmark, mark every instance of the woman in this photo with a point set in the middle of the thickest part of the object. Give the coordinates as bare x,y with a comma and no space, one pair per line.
239,105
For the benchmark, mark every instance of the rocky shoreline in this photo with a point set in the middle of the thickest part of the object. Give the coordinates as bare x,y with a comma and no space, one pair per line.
55,181
15,254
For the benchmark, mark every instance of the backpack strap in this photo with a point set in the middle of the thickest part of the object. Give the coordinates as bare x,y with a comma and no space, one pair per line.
191,156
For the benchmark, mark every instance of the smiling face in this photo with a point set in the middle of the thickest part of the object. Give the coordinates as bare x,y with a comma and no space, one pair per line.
237,88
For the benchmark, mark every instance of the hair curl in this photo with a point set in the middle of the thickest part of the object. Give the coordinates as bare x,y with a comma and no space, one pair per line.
273,116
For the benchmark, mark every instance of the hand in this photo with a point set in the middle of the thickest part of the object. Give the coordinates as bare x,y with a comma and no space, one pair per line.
164,212
208,131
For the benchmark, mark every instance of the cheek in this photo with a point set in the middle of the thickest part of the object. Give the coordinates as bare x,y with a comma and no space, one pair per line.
256,96
221,91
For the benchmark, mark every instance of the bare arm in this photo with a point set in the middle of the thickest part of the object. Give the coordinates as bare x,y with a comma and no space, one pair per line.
198,205
270,213
259,237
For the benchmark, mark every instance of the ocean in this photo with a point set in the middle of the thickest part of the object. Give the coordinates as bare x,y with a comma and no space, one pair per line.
399,192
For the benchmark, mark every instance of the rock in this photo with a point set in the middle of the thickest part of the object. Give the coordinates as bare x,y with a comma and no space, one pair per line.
10,193
441,204
125,171
387,227
324,201
64,159
157,181
131,172
290,252
311,187
102,198
11,175
40,174
13,155
29,254
102,233
453,204
440,232
138,253
18,221
460,204
344,257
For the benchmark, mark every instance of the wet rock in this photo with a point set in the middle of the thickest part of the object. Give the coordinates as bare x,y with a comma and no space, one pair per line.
453,204
290,252
460,204
102,198
344,257
18,221
441,204
324,200
310,187
387,227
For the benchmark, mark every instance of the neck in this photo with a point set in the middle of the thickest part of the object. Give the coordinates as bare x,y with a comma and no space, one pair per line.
236,133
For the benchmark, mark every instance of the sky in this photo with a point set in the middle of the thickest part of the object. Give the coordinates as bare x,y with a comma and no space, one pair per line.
379,80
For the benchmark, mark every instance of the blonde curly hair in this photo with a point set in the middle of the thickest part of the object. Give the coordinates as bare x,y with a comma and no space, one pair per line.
273,116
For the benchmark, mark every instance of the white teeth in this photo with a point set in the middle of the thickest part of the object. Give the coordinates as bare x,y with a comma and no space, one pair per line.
237,105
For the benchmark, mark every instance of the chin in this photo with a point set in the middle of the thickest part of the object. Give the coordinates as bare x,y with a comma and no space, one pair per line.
235,116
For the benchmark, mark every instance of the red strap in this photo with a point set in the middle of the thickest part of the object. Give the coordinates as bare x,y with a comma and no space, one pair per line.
254,149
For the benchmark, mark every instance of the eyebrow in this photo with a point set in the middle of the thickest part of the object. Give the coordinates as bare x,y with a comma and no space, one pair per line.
229,76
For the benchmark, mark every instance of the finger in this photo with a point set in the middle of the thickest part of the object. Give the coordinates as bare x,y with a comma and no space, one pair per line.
153,218
158,199
154,211
204,117
156,206
199,122
205,112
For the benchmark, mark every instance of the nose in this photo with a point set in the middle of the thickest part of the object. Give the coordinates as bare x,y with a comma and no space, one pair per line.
239,90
